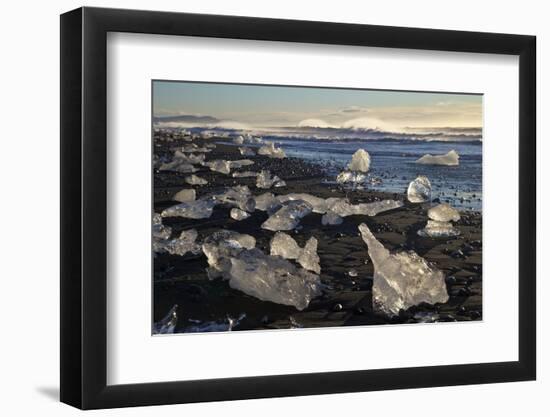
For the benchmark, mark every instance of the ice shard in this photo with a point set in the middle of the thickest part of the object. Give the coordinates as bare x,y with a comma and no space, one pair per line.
436,228
187,194
221,246
238,214
318,204
269,149
219,165
198,209
245,174
450,159
267,202
285,246
272,278
288,216
160,231
402,280
178,165
345,177
190,158
360,161
420,190
239,140
444,213
168,324
238,196
343,208
195,180
240,163
245,151
181,245
265,181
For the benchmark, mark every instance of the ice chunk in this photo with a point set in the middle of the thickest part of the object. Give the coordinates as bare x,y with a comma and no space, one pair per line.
450,159
182,245
240,163
264,180
403,279
352,177
198,209
319,205
436,228
178,165
238,196
194,148
309,258
285,246
288,216
246,151
360,161
270,150
195,180
271,278
267,202
220,246
160,231
168,324
245,174
343,208
443,213
331,219
219,165
238,214
239,140
420,190
226,325
187,194
189,158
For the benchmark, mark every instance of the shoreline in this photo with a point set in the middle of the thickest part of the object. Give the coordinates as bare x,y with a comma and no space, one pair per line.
183,280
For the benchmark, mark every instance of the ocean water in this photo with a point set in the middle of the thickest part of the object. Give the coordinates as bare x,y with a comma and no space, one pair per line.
393,162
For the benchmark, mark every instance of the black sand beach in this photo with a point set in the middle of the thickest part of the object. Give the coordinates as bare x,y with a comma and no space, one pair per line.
346,269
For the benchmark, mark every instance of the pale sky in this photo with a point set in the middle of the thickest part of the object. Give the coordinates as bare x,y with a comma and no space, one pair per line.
275,106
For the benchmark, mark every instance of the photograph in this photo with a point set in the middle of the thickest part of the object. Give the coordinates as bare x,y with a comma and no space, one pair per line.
293,207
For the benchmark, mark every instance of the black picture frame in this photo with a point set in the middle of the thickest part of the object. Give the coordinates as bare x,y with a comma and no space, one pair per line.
84,207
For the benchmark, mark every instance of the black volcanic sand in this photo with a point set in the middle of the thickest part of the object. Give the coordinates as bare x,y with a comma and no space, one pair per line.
346,300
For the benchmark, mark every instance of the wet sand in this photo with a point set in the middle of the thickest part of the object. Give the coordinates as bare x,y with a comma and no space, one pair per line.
346,300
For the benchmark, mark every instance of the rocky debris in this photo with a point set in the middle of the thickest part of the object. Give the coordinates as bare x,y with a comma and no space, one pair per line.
402,280
420,190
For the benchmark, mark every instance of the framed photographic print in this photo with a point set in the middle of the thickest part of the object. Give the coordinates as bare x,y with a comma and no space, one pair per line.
257,208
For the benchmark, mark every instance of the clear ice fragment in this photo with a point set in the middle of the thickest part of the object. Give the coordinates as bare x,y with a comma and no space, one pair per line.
238,214
195,180
360,161
288,216
436,228
269,149
420,190
450,159
198,209
187,194
444,213
168,324
402,280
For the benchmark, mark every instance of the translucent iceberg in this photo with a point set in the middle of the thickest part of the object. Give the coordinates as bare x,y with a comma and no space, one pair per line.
343,208
420,190
238,196
195,180
350,177
187,194
198,209
271,278
267,202
403,279
168,324
269,149
240,163
245,174
238,214
360,161
331,219
181,245
450,159
264,180
226,325
219,165
436,228
246,151
285,246
444,213
288,216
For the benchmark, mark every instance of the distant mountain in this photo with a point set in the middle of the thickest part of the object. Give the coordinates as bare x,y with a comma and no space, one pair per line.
186,118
